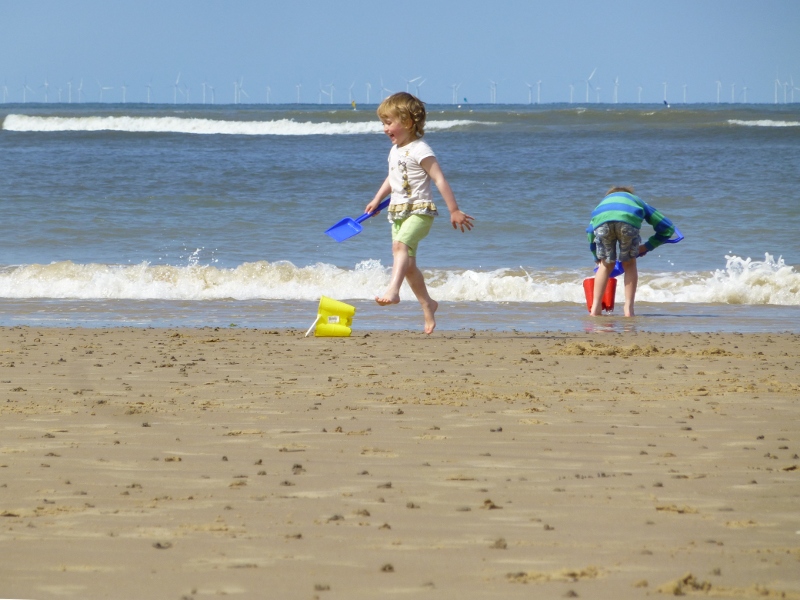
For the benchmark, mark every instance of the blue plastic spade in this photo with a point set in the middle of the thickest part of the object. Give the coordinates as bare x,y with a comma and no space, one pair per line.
618,270
347,227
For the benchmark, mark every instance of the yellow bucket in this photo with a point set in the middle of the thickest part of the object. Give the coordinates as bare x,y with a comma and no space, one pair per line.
334,318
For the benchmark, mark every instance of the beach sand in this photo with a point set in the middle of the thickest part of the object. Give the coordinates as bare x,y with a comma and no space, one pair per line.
186,463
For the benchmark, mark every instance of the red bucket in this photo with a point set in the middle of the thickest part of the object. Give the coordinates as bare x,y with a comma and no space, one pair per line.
607,301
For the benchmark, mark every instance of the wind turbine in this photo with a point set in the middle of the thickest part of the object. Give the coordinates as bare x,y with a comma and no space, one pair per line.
684,93
539,92
298,86
149,86
530,92
616,89
203,85
321,91
419,85
733,93
639,90
25,89
124,92
455,87
211,87
492,92
410,81
330,85
102,89
5,92
719,87
69,92
80,91
241,89
384,89
744,94
369,87
597,94
777,84
46,87
571,90
175,89
588,84
785,86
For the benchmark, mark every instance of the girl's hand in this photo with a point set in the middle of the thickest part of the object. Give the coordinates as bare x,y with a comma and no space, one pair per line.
372,206
460,219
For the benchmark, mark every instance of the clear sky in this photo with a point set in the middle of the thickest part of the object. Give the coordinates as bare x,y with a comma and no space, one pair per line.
315,43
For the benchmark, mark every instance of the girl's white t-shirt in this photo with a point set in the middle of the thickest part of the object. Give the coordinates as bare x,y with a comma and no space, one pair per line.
411,185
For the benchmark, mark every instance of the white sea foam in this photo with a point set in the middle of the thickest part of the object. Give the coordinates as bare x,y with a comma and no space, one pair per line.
26,123
742,281
764,123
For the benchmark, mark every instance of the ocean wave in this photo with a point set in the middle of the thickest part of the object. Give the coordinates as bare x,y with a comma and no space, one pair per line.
26,123
764,123
742,281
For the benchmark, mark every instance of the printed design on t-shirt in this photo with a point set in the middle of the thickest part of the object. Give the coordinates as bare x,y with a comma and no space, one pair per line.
403,166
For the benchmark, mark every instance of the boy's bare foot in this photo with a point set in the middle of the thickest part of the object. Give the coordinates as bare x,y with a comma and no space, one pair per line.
429,310
388,299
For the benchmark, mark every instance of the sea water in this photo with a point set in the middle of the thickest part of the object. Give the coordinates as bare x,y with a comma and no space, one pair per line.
200,215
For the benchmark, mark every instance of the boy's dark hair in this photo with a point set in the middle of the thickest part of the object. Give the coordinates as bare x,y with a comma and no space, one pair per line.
620,188
409,109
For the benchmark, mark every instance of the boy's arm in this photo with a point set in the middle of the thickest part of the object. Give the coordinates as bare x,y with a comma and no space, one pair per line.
457,217
383,191
662,226
592,244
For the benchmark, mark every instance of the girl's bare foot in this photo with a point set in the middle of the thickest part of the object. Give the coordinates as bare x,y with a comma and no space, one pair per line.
388,299
429,310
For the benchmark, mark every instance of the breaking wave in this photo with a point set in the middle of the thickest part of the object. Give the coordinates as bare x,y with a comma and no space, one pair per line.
742,281
132,124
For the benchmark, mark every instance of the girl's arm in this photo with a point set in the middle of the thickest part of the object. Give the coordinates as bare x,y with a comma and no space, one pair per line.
457,217
383,191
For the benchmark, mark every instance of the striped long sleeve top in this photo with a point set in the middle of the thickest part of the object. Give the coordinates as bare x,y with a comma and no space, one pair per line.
629,208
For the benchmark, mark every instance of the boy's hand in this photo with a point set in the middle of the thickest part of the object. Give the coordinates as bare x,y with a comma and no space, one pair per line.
460,219
642,250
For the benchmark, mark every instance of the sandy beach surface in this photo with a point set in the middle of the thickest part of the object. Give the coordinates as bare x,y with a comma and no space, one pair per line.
188,463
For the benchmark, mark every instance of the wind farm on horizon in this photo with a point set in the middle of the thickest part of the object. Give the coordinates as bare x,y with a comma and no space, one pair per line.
514,92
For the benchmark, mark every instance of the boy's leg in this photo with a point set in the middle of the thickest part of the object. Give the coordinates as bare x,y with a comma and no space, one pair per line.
416,280
399,271
630,240
600,282
631,281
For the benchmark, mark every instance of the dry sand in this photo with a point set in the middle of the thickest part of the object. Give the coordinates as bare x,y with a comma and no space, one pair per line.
186,463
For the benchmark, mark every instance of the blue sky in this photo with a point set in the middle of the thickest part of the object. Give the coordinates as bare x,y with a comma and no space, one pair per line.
314,43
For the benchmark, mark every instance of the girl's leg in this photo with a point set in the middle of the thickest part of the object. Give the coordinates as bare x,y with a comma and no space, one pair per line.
631,281
600,282
400,268
416,280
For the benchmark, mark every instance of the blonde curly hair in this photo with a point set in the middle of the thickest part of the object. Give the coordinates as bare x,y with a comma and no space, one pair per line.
409,109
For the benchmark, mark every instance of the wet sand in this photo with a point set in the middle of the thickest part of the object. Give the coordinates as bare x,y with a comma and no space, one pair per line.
187,463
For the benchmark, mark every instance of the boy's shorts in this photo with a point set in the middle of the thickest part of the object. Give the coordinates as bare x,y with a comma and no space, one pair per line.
411,231
607,235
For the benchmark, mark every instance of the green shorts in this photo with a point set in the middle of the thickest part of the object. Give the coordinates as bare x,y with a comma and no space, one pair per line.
411,231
